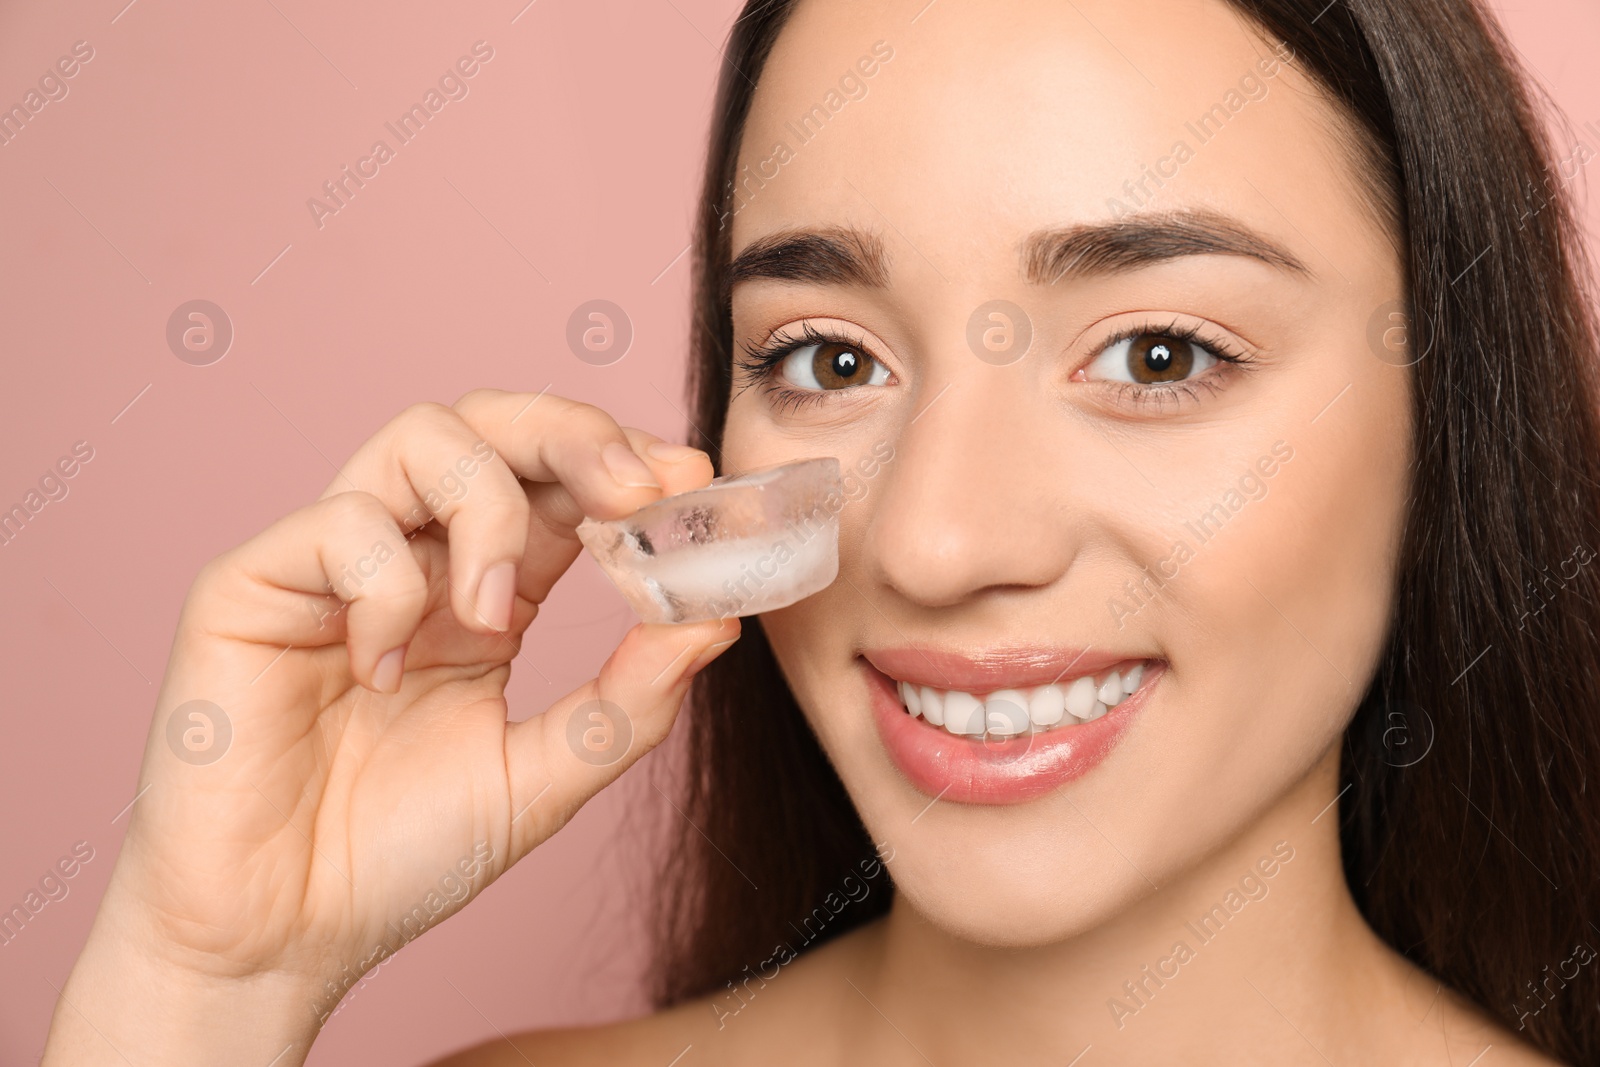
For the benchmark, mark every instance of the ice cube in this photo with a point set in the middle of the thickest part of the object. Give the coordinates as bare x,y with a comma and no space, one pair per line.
742,545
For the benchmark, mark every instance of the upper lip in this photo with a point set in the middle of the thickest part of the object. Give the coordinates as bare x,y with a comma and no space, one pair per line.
989,669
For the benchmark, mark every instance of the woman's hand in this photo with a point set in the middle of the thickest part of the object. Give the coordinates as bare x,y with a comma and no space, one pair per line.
330,769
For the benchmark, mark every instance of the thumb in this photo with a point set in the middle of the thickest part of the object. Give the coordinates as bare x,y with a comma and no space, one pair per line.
583,742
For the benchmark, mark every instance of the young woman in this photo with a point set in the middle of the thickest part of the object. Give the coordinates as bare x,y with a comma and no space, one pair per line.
1211,673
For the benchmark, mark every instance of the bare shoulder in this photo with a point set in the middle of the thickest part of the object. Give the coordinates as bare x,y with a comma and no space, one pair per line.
1457,1031
768,1016
657,1039
1476,1039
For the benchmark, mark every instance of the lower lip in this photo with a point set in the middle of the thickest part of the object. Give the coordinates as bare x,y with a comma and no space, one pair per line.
969,770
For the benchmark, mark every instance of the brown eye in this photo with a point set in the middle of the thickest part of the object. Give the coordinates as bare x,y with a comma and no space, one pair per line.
832,366
1151,359
836,366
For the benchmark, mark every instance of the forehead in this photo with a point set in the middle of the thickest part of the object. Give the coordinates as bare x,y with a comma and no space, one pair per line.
956,135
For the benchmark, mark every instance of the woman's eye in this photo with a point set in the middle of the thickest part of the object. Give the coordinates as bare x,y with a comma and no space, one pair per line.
1151,359
832,366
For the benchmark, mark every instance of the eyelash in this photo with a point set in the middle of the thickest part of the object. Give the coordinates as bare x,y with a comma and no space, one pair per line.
761,361
1156,395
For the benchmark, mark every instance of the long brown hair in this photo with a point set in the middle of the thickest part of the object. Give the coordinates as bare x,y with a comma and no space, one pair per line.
1479,859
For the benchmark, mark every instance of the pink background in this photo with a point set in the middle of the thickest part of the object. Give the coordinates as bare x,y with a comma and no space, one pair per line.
178,167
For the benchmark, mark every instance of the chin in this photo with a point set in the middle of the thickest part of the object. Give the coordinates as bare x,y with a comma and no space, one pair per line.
1007,882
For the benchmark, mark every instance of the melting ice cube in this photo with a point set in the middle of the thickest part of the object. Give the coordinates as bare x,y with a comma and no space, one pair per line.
744,544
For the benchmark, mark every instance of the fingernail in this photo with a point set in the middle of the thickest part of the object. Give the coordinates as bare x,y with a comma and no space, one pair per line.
497,593
711,653
386,675
628,469
670,453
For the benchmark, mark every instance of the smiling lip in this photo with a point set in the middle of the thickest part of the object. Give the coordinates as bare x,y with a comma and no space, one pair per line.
973,770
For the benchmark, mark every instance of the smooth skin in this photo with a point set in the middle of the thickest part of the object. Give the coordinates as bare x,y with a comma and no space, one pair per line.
1022,497
1019,501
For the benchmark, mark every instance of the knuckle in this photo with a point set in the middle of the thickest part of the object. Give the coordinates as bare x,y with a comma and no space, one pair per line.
210,576
587,420
355,507
427,413
406,590
474,399
215,591
386,574
503,511
359,517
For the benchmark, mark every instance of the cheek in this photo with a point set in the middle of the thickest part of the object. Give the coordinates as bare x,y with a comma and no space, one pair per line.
1276,619
1323,561
811,640
813,643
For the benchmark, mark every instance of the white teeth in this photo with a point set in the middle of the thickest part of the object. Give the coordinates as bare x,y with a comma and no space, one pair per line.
1110,692
1005,712
1047,706
963,713
1080,697
1010,712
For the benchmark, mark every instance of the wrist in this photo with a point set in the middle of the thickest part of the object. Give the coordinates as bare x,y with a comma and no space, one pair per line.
129,998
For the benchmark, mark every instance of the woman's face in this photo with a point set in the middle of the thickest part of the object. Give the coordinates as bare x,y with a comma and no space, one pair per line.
1102,311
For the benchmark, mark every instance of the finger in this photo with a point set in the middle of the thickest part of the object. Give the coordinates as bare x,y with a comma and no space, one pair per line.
555,515
347,544
580,463
548,438
428,464
679,468
558,760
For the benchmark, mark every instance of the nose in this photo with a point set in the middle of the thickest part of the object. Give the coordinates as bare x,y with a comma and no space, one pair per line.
979,496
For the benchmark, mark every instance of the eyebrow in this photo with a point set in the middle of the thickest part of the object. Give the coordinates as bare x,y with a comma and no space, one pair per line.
852,257
832,256
1048,256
